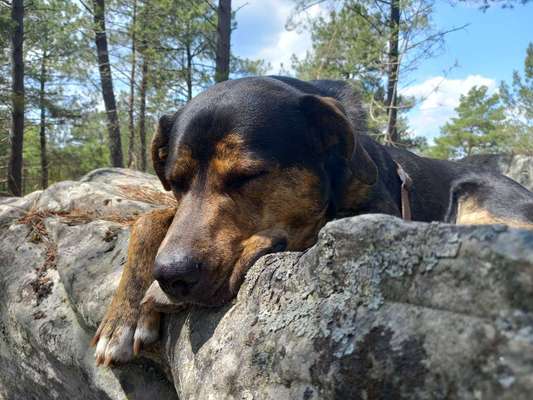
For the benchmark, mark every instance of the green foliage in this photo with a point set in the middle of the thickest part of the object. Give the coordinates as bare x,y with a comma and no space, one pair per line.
416,144
174,38
5,82
502,122
179,37
346,44
351,42
518,100
241,67
478,128
69,158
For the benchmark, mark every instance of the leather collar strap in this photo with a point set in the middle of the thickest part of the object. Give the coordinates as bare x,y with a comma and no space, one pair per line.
407,182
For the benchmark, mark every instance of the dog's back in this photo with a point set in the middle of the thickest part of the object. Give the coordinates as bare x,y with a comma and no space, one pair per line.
442,190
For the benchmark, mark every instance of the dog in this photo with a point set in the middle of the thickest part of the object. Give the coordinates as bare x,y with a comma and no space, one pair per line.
259,165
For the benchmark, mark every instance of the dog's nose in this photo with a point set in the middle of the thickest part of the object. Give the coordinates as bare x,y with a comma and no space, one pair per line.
177,274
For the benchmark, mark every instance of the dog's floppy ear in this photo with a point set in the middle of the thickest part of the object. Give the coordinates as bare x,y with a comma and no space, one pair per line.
160,144
345,157
326,117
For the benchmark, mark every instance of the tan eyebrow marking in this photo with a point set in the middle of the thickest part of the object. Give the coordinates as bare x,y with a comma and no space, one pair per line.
231,156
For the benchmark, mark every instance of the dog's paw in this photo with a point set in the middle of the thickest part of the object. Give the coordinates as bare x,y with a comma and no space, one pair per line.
121,335
147,330
114,345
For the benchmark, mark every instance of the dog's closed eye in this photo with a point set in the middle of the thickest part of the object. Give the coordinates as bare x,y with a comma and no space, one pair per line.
179,186
237,180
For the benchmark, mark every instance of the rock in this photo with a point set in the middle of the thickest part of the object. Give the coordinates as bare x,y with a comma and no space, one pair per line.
518,167
58,272
378,308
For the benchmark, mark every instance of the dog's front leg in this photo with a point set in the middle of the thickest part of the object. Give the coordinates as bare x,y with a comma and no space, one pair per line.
127,325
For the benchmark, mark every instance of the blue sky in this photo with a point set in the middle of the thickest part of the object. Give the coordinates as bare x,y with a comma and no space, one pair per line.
486,52
492,45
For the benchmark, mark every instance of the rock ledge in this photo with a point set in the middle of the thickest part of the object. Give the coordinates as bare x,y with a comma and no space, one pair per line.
378,308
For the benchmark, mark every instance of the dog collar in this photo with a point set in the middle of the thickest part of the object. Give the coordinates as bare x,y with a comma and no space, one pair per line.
407,182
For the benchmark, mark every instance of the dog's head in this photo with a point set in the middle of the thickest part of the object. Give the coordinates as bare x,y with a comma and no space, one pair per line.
257,167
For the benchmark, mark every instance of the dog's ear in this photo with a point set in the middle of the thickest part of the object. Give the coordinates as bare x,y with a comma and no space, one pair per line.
363,167
160,146
345,157
327,118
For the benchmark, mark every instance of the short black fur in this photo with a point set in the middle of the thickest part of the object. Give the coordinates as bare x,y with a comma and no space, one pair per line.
267,112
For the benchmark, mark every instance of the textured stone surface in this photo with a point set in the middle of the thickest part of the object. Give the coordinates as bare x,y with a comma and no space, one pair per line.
518,167
378,309
49,308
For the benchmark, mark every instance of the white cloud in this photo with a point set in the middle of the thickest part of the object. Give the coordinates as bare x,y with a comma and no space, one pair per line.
278,45
438,97
280,53
263,36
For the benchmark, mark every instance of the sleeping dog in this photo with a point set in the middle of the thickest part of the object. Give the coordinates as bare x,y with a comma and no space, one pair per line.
259,165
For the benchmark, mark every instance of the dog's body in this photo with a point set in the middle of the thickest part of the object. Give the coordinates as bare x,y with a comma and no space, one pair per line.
259,165
451,192
439,186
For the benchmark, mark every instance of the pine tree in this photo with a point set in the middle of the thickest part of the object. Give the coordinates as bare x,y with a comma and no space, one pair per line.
518,100
223,51
52,50
479,127
106,80
14,170
157,55
373,42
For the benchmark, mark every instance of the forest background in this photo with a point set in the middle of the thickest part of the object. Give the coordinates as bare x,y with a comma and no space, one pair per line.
83,82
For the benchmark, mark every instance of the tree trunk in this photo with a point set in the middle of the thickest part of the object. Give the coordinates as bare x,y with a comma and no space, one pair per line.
393,72
142,111
189,70
115,145
131,142
42,124
469,147
223,40
14,168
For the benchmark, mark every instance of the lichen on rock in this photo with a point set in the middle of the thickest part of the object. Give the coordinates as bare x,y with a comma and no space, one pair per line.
378,308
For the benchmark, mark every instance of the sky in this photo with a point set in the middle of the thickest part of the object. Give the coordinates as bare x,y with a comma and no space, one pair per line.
484,53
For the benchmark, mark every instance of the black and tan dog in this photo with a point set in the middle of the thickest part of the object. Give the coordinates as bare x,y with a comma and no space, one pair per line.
259,165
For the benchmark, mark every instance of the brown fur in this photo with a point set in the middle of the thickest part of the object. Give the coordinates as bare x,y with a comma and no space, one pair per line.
147,234
226,227
355,194
231,159
183,168
469,212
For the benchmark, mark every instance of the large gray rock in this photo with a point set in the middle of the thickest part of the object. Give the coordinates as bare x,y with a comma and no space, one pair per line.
378,309
518,166
58,270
